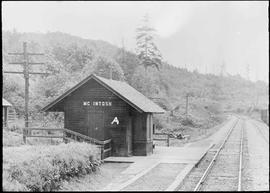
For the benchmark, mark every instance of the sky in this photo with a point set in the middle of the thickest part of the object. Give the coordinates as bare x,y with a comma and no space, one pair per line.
195,35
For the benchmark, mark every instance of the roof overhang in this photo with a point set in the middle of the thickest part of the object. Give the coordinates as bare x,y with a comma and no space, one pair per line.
92,76
5,103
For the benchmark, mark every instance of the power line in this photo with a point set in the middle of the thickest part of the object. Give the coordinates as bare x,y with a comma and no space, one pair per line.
26,74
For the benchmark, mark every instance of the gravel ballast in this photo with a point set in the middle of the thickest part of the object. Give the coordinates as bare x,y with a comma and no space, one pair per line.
224,173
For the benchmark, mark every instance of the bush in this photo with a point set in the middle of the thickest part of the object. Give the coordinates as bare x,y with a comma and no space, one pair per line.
43,168
190,121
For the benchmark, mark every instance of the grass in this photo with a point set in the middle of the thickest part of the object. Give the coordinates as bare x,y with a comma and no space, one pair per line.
195,128
12,138
44,168
106,173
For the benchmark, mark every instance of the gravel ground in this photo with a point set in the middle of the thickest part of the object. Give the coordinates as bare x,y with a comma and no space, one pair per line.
220,141
246,173
159,178
224,174
256,160
194,176
262,129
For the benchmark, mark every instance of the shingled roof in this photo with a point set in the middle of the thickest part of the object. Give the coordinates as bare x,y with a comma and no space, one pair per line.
5,103
121,89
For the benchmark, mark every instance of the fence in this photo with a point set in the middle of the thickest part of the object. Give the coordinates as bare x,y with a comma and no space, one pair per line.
165,138
28,132
75,136
67,136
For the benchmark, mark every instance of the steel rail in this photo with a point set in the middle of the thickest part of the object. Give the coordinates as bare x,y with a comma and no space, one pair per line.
205,174
241,159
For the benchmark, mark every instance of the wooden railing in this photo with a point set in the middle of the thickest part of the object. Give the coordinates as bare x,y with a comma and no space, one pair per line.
68,135
75,136
27,132
165,138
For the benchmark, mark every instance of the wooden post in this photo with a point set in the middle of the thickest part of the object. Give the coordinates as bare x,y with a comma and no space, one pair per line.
26,78
168,140
102,152
26,73
64,136
110,146
24,135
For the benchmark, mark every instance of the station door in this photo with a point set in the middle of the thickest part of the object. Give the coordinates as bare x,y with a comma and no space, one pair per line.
96,124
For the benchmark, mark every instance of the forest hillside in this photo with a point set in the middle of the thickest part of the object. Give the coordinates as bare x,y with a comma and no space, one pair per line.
68,59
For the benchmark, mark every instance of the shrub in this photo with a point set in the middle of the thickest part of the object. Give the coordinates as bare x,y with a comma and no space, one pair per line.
188,122
43,168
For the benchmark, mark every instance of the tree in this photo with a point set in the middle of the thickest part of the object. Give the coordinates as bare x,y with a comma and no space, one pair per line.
106,68
128,62
73,57
147,51
146,84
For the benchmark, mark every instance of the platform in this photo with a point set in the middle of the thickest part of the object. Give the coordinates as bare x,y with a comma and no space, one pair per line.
141,165
187,156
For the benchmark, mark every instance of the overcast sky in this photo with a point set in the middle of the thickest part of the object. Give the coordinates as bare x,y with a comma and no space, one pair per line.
198,35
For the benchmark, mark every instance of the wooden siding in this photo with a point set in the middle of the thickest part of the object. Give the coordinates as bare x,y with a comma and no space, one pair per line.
142,134
95,121
8,116
133,134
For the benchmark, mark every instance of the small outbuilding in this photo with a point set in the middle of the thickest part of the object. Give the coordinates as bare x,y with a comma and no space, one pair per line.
8,113
108,109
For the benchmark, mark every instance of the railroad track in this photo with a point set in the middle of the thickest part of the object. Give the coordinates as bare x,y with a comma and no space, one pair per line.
259,129
225,169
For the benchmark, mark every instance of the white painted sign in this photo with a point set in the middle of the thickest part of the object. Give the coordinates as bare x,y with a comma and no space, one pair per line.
97,103
115,120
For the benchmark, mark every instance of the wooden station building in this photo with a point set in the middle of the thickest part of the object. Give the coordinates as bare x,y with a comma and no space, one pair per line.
108,109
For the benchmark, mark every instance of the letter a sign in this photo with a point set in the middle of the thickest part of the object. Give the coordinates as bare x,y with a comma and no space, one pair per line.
115,120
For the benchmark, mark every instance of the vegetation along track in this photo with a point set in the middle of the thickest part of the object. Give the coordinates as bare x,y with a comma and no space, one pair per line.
220,169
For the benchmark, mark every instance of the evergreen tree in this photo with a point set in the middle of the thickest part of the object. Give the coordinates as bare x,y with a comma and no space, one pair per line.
147,51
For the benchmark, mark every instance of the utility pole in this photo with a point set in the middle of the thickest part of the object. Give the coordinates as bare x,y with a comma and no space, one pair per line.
25,63
123,51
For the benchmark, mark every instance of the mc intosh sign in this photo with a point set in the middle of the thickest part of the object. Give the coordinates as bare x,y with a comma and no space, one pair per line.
97,103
